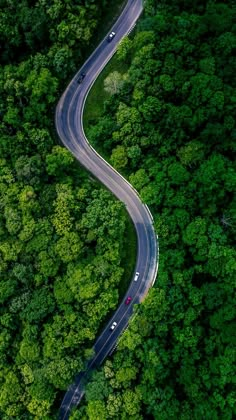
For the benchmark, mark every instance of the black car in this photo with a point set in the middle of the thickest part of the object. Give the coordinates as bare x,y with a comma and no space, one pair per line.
81,78
111,36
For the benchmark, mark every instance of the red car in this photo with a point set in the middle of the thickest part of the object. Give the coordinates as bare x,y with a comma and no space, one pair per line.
128,300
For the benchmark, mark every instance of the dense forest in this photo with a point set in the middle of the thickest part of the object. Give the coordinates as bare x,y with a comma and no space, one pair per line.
169,127
61,248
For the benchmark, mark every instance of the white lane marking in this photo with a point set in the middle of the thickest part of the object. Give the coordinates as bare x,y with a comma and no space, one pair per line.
140,284
111,181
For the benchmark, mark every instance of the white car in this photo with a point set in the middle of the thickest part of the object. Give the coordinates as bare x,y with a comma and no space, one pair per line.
136,276
113,326
111,36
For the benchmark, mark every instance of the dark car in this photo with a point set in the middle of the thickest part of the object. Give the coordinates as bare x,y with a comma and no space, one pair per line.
113,326
81,77
111,36
128,300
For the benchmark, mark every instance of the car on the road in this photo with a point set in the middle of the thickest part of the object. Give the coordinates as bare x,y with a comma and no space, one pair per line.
81,77
136,276
128,300
111,36
113,326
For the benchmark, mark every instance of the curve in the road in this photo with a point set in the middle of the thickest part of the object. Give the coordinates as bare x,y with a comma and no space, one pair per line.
68,119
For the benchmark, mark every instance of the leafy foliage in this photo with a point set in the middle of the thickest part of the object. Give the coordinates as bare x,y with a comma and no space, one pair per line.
61,234
171,131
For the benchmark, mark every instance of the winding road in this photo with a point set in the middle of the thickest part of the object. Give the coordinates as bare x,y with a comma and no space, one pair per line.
68,119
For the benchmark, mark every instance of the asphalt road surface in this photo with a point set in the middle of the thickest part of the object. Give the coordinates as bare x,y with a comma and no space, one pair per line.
68,119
